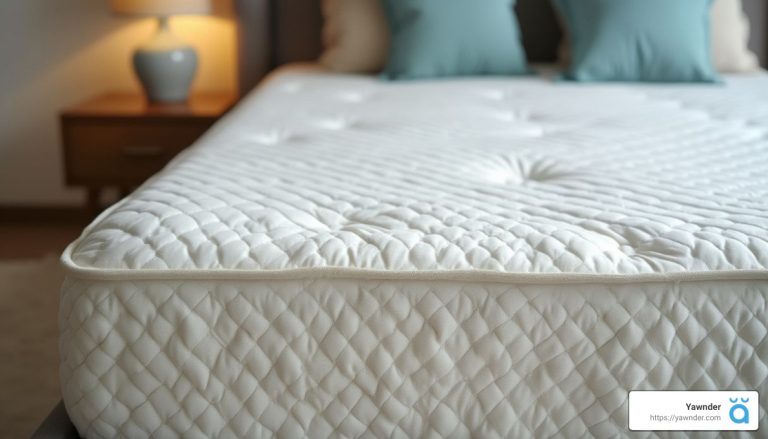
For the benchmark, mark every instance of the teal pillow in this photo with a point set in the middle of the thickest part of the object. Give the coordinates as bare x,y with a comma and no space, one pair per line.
639,40
439,38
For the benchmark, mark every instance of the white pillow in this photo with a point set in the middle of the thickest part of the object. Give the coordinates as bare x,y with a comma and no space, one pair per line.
730,35
355,35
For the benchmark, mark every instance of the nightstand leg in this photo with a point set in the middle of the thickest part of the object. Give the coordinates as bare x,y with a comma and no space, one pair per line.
93,204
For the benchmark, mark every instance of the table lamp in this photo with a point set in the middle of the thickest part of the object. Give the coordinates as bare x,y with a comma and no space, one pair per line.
165,64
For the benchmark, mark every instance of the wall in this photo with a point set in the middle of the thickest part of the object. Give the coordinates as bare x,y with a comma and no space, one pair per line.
55,53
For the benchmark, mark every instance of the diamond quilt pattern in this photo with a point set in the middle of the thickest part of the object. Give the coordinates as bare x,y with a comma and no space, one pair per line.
335,358
521,176
325,262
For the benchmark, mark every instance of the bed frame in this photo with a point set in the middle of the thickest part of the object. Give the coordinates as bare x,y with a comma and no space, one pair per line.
275,32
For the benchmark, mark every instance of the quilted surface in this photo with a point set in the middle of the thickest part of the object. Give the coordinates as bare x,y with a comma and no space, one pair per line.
334,358
507,175
478,258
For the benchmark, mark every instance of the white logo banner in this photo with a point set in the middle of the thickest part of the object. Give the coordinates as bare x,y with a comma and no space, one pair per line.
690,411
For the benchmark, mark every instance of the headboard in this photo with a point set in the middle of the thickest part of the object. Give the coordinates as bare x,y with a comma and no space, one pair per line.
275,32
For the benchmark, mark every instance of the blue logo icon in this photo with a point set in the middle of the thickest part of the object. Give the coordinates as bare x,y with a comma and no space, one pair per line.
739,413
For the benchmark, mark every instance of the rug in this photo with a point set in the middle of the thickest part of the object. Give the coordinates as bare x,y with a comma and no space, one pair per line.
29,300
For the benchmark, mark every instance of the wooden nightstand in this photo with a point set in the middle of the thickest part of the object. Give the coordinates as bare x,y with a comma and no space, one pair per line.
120,140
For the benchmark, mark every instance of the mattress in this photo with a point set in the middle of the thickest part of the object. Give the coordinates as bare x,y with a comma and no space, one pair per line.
497,257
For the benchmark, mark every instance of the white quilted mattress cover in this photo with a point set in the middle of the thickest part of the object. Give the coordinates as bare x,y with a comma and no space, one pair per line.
497,257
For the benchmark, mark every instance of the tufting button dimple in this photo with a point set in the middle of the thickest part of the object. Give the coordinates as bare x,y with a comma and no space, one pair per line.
494,95
292,87
505,116
336,123
512,115
518,170
523,129
269,138
352,97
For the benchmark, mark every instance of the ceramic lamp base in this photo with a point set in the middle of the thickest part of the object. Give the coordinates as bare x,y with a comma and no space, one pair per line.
165,66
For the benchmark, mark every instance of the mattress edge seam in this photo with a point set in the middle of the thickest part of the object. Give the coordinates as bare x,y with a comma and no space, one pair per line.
73,271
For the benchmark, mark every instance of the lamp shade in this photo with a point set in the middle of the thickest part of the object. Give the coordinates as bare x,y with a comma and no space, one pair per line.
163,8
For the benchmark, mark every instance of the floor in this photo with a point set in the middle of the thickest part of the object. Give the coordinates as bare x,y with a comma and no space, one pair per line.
35,240
30,277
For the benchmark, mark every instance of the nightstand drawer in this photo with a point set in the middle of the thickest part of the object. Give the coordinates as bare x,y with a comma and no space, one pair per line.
124,152
120,139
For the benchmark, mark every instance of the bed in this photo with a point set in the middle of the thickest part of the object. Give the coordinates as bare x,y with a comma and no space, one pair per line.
483,257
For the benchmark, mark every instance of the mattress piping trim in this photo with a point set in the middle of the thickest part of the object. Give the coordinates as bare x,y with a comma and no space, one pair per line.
490,276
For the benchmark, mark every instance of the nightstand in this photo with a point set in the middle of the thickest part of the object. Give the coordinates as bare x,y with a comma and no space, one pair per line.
120,140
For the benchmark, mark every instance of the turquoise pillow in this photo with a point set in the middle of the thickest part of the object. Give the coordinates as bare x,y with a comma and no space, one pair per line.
639,40
440,38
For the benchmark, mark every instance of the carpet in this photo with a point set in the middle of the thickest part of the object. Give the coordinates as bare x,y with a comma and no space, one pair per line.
29,381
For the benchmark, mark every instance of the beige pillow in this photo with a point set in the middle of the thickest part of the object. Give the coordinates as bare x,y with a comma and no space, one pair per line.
355,35
730,34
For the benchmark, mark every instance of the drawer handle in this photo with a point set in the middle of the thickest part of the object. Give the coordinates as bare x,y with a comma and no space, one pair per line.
141,152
